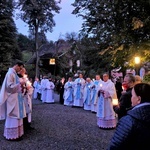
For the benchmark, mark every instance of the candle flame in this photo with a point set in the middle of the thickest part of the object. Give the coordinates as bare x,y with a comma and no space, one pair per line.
115,101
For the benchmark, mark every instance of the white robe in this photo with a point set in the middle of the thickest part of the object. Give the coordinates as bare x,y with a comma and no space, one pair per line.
87,96
28,103
12,106
35,93
43,87
50,92
105,112
68,93
79,84
94,95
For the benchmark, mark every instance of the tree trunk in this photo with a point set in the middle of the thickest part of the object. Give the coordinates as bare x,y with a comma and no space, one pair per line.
36,50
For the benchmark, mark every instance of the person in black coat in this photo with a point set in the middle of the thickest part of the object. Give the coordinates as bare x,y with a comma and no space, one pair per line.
125,99
133,130
61,90
118,87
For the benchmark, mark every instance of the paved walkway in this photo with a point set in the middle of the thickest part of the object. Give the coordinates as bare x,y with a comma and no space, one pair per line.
59,127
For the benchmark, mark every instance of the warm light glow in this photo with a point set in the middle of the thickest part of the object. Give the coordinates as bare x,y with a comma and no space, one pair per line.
137,60
28,83
115,102
52,61
25,76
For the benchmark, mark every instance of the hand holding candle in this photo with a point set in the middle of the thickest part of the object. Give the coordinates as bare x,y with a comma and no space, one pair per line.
115,102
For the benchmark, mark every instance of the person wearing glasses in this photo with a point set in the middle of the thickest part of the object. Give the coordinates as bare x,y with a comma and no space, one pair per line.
125,99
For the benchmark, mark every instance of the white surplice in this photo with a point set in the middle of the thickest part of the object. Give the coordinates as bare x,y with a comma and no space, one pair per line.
68,93
106,117
12,106
49,92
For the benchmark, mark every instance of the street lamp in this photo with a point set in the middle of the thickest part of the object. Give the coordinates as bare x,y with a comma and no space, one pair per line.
137,61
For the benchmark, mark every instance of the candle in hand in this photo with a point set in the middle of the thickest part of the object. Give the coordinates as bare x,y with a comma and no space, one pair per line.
115,102
101,86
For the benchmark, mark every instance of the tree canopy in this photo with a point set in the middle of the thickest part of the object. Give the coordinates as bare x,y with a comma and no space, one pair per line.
116,26
8,35
38,14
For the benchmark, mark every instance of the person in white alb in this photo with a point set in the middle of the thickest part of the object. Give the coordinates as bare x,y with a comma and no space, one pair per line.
43,88
106,117
87,94
94,93
68,92
36,88
12,107
79,85
50,91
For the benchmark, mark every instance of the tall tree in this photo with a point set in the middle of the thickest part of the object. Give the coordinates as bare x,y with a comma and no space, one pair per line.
8,33
38,14
113,24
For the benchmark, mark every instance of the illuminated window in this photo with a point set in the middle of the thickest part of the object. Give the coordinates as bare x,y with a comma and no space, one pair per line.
52,61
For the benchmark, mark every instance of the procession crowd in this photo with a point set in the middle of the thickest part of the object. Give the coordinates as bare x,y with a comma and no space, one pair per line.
123,106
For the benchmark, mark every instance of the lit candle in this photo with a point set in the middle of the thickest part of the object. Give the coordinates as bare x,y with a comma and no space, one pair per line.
28,83
123,88
25,76
89,86
100,86
80,80
115,102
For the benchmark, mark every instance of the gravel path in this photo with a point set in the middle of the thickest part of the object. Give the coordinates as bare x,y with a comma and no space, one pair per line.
59,127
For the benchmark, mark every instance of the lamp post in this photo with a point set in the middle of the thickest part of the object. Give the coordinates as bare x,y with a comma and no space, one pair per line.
137,61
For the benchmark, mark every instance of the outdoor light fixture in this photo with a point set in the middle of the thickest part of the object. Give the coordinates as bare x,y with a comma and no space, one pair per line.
137,60
52,61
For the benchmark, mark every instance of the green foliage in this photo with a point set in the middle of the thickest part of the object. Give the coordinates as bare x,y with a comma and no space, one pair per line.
25,43
146,78
115,24
38,13
8,43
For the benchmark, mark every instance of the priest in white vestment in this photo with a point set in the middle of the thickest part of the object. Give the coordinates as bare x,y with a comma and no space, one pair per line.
68,92
36,88
106,117
79,85
43,88
11,104
49,91
87,94
94,93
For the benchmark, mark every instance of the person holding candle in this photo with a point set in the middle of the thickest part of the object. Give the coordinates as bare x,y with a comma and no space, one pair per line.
12,107
27,97
68,92
125,99
94,93
133,129
106,118
79,85
87,94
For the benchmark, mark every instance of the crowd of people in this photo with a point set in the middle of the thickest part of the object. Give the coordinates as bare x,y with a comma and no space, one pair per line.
124,106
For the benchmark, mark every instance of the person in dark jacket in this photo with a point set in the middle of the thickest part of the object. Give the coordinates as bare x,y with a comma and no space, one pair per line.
125,99
61,90
133,130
